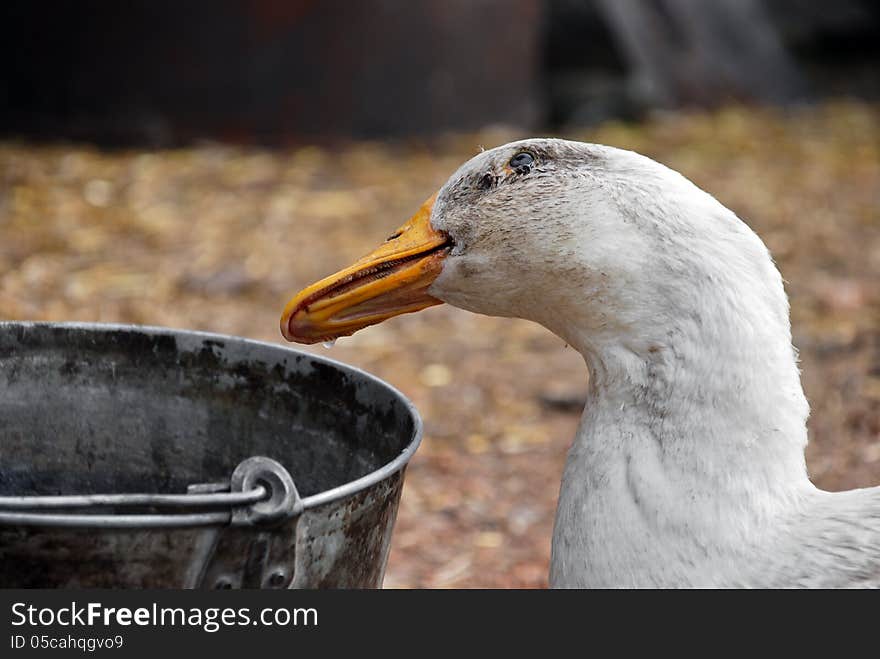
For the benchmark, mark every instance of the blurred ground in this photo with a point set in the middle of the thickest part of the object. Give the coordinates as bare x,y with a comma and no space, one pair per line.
218,238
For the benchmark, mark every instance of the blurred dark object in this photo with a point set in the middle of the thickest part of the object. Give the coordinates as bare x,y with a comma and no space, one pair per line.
619,58
276,72
166,72
692,52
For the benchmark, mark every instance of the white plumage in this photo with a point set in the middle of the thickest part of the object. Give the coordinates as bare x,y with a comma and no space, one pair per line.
688,466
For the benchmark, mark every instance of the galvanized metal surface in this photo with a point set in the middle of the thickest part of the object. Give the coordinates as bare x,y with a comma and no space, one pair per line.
99,411
216,498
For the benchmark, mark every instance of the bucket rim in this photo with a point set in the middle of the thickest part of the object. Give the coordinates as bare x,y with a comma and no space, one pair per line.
327,496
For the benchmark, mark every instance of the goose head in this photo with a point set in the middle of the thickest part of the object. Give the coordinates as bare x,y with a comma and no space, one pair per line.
608,249
692,439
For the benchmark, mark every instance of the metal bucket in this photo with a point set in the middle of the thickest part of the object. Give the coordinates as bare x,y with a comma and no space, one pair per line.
135,457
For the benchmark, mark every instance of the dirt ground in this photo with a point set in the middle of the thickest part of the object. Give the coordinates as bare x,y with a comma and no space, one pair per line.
217,238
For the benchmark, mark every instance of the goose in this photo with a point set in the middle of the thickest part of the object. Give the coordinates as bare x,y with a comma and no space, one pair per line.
688,467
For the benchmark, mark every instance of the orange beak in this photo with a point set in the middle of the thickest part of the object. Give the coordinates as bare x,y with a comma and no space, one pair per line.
391,280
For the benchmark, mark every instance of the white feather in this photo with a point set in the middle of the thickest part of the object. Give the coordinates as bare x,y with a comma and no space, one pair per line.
688,466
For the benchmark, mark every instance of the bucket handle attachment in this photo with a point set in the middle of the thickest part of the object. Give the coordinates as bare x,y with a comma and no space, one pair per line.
260,492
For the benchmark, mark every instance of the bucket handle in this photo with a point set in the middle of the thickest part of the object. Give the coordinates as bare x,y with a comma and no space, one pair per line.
260,492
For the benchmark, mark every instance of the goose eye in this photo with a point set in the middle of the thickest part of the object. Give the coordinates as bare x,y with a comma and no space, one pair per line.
522,162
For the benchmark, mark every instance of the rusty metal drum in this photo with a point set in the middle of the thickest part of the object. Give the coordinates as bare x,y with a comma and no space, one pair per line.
137,457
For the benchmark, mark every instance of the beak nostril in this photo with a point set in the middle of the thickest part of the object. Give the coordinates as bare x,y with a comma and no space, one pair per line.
394,235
